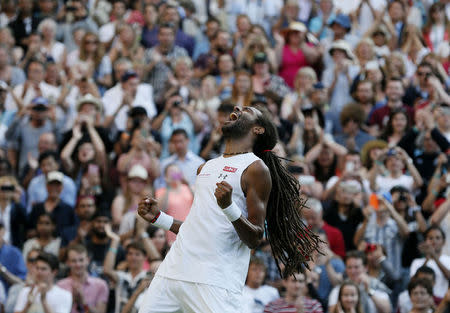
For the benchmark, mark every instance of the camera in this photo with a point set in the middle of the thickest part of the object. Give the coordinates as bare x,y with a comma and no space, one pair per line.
295,169
8,188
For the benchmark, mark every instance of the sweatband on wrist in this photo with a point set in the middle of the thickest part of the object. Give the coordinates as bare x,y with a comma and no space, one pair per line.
113,250
232,212
164,221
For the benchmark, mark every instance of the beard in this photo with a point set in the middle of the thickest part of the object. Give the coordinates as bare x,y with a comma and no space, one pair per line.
237,129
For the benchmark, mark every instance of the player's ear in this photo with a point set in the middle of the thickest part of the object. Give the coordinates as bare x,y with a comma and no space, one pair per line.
258,130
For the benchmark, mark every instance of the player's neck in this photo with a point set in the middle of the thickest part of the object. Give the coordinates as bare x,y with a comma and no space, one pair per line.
234,146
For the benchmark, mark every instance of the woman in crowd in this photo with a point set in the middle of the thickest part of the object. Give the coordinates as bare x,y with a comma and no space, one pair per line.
126,44
90,62
431,248
349,299
242,93
85,147
45,237
175,199
50,47
296,53
135,190
396,128
304,82
437,29
256,43
11,209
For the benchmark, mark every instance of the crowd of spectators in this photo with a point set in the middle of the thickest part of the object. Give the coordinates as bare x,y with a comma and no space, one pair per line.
103,102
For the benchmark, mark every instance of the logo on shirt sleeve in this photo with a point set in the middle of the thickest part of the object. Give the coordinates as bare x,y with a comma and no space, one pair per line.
230,169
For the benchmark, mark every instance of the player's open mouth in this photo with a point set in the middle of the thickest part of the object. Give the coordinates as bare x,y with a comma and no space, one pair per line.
234,116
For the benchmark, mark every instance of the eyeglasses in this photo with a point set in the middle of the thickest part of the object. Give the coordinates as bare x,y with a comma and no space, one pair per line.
31,260
424,73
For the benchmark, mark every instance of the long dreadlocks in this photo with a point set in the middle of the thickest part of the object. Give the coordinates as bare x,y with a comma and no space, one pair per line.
291,241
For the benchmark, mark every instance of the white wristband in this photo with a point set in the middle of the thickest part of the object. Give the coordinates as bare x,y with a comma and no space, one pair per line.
164,221
232,212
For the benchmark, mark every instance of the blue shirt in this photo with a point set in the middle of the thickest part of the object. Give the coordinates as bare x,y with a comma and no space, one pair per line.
188,166
150,39
37,191
325,286
12,259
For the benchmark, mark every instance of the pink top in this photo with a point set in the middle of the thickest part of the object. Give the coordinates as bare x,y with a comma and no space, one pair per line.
290,64
178,205
95,290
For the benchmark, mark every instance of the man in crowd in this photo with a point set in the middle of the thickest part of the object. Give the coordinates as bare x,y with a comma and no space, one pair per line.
44,295
89,294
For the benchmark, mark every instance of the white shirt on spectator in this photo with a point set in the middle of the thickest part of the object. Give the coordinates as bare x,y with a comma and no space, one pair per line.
385,183
254,300
441,285
58,299
113,99
51,93
5,218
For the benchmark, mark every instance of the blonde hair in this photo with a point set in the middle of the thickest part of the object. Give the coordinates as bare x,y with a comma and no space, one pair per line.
308,71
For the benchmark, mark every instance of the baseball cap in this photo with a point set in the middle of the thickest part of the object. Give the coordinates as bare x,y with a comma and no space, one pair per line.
55,176
39,104
138,171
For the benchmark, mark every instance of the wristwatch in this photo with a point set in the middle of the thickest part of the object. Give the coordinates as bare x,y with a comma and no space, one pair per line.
144,235
3,269
371,292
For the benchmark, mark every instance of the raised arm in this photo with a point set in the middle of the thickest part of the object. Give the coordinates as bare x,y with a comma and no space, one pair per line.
256,183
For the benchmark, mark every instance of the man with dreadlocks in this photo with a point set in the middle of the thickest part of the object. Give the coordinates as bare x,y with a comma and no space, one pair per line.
239,196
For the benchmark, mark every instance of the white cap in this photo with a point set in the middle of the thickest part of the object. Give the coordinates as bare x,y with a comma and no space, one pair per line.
352,186
55,176
138,171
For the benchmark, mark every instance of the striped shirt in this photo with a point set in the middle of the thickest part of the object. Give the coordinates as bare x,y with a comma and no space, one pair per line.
282,306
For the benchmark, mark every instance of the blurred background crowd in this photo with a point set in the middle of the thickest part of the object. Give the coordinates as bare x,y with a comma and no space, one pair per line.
105,102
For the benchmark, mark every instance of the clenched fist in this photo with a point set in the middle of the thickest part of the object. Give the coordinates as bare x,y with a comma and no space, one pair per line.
223,194
148,209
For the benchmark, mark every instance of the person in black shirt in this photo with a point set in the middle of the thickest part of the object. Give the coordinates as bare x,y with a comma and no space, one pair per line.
62,214
344,213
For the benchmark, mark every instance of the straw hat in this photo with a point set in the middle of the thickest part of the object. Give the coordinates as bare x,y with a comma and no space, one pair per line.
370,145
344,46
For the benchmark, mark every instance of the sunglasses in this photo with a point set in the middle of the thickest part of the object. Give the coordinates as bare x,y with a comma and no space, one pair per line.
90,42
424,73
31,260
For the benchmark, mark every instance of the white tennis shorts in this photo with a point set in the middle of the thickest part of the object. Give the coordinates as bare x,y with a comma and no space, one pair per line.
174,296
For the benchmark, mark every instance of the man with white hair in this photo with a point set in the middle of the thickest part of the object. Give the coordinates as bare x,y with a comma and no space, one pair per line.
314,219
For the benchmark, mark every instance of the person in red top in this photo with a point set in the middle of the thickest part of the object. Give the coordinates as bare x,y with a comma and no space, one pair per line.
394,94
296,52
314,220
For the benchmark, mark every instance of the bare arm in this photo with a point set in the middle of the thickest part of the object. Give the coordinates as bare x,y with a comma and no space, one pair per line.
110,258
256,183
440,213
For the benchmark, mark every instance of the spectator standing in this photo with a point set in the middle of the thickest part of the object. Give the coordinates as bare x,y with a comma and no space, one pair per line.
296,53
